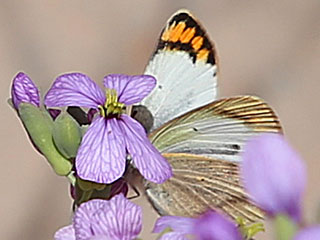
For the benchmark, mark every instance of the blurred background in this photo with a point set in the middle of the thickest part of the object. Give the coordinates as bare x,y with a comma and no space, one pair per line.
266,48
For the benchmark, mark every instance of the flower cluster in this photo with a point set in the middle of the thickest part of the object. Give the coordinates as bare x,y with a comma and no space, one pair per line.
120,219
112,135
276,190
94,156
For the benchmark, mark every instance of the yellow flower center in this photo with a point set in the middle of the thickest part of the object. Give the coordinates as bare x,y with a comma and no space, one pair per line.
111,106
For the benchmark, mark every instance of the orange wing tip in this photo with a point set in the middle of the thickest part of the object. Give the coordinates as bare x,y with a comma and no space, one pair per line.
183,32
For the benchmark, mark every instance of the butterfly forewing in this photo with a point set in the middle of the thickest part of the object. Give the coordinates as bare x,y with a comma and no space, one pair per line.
201,183
185,67
218,130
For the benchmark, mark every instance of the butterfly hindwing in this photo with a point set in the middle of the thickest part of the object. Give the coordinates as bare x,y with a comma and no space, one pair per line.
201,183
218,130
184,64
203,147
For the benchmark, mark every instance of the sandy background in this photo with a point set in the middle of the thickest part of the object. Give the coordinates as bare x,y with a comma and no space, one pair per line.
267,48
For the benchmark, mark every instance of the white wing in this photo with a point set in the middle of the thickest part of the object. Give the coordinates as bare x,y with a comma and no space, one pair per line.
185,67
218,130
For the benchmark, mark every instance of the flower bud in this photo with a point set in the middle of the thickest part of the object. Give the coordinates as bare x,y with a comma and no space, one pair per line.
39,126
66,135
24,90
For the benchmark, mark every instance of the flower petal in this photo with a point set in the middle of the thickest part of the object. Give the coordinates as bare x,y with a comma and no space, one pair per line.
151,164
65,233
85,217
270,169
130,89
208,226
74,89
120,219
100,237
24,90
310,233
101,156
213,225
116,219
183,225
173,236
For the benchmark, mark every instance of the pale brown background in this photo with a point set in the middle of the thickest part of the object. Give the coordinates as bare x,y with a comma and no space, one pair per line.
266,48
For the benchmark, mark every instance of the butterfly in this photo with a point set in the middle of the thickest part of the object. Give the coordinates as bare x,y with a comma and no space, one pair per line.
200,136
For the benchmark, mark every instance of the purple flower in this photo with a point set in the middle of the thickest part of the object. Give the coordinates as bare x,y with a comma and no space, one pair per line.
24,90
180,227
274,175
310,233
210,225
102,154
65,233
216,227
116,219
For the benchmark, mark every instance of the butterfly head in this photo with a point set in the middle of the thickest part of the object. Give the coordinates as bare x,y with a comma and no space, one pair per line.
143,116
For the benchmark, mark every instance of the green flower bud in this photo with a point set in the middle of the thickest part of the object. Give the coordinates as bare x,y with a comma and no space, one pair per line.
39,126
86,190
86,185
66,135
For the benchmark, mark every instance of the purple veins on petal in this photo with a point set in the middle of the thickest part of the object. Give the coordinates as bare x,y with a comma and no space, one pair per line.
173,236
149,161
65,233
85,217
270,170
101,156
117,219
121,218
182,225
100,238
74,89
130,89
24,90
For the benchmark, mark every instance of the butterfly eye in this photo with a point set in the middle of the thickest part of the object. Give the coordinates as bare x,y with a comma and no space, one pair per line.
143,116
